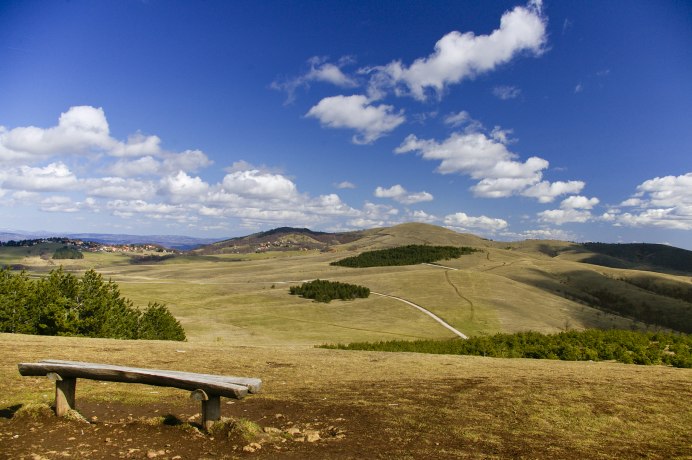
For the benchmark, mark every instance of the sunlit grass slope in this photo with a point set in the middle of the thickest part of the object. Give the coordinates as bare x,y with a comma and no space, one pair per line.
243,298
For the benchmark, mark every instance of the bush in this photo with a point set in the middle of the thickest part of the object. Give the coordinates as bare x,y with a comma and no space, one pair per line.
67,252
62,304
589,345
326,291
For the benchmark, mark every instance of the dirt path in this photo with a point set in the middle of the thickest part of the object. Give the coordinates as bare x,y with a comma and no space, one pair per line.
427,312
460,294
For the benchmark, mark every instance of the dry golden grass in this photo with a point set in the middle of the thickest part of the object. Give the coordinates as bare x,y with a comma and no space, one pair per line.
406,405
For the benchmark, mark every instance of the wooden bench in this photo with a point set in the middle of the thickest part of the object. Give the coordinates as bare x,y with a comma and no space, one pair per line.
206,388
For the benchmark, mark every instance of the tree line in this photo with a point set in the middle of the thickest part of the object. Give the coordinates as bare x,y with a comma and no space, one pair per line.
326,291
63,304
630,347
404,255
67,252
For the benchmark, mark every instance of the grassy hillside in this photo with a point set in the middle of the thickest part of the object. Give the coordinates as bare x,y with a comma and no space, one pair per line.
513,287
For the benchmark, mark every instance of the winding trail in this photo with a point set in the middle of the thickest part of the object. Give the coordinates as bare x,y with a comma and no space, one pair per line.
427,312
456,289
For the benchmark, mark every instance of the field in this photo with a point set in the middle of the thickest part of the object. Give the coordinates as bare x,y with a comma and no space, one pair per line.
362,404
240,319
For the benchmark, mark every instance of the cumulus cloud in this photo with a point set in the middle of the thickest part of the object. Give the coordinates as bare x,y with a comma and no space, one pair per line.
486,157
138,180
357,112
421,216
255,183
462,222
79,130
59,203
562,216
401,195
84,130
579,202
458,56
575,208
53,177
320,71
664,202
182,187
119,188
546,192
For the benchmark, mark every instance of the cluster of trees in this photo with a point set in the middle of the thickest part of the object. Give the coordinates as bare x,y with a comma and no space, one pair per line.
661,286
593,344
67,252
404,255
35,241
646,254
326,291
63,304
674,315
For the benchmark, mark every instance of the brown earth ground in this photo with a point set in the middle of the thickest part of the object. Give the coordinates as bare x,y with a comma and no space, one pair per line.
338,405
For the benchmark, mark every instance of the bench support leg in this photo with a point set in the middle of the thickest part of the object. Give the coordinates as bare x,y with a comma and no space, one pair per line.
64,395
211,411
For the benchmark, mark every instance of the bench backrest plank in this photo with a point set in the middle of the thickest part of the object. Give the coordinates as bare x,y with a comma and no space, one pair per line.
230,387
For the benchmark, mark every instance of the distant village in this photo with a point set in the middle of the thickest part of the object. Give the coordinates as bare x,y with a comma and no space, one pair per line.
92,246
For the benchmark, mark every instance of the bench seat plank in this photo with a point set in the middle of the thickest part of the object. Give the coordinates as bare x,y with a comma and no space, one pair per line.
230,387
253,385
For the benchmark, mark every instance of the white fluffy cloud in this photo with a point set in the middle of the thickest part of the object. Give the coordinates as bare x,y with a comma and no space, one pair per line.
664,202
563,216
485,157
579,202
458,56
575,208
401,195
80,130
546,192
119,188
184,188
258,184
357,112
53,177
462,222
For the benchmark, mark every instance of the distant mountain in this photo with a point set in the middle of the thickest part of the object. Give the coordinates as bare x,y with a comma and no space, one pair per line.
290,238
168,241
280,239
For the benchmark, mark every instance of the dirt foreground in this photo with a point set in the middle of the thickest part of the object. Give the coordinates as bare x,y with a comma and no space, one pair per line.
339,404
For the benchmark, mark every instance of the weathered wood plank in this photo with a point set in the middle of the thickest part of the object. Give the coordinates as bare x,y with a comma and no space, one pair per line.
215,385
65,390
211,411
253,385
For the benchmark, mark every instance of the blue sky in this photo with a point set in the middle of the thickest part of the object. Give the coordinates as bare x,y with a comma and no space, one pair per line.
567,120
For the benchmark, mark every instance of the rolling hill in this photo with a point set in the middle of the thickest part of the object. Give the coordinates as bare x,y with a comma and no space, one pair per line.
539,285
